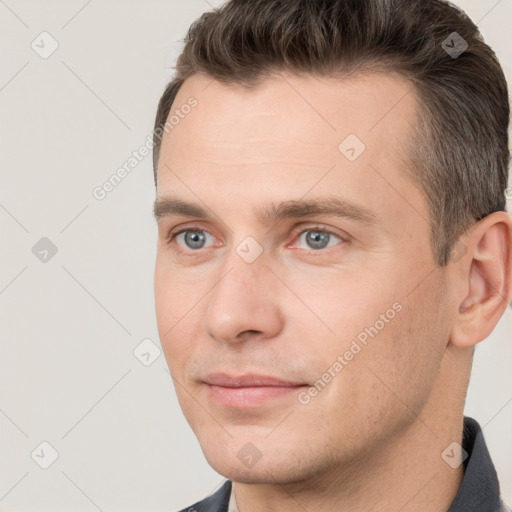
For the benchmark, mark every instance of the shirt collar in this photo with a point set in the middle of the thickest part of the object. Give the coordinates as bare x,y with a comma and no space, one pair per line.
480,489
232,502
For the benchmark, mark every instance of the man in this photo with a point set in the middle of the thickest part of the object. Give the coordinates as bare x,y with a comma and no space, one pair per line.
333,243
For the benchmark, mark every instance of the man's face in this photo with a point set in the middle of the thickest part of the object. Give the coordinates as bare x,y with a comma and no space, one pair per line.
347,310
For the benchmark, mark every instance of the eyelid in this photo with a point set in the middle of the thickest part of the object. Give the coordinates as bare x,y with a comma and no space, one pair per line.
318,227
194,226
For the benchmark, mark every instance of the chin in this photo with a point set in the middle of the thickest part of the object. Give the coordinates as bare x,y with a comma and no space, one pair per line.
268,474
270,468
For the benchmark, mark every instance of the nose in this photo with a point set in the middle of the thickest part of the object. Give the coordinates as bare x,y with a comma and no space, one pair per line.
244,302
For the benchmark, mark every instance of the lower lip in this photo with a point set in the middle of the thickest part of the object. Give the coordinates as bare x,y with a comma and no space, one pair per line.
249,396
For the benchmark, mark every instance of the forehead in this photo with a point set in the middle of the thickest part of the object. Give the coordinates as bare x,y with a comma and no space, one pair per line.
289,108
286,133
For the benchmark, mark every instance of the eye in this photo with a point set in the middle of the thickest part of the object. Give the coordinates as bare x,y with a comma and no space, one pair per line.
317,238
191,239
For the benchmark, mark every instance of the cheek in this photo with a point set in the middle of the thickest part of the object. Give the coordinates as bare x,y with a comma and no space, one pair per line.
176,317
162,284
386,340
382,382
399,366
343,307
175,296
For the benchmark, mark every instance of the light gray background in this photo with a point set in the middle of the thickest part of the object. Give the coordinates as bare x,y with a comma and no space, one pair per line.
68,374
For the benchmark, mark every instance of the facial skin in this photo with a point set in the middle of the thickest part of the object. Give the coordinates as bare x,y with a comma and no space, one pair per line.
372,437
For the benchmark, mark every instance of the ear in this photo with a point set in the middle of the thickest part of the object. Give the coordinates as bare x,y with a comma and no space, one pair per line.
486,272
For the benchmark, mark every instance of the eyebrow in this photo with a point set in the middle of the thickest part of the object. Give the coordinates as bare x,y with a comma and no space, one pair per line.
170,206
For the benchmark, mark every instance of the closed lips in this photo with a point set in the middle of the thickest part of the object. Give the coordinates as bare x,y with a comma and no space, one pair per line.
249,380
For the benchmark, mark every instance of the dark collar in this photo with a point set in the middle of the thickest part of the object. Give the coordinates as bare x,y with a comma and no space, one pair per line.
479,491
216,502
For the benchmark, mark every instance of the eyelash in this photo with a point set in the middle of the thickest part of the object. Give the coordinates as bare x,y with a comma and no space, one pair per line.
171,239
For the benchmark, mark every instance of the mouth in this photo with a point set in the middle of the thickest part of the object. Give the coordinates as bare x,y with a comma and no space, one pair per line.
250,390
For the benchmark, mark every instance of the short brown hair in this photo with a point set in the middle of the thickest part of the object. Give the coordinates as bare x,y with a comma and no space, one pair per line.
459,150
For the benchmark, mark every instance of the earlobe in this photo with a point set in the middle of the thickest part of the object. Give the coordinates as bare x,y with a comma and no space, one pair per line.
488,280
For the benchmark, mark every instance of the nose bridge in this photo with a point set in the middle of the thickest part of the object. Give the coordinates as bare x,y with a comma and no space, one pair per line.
241,299
244,268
